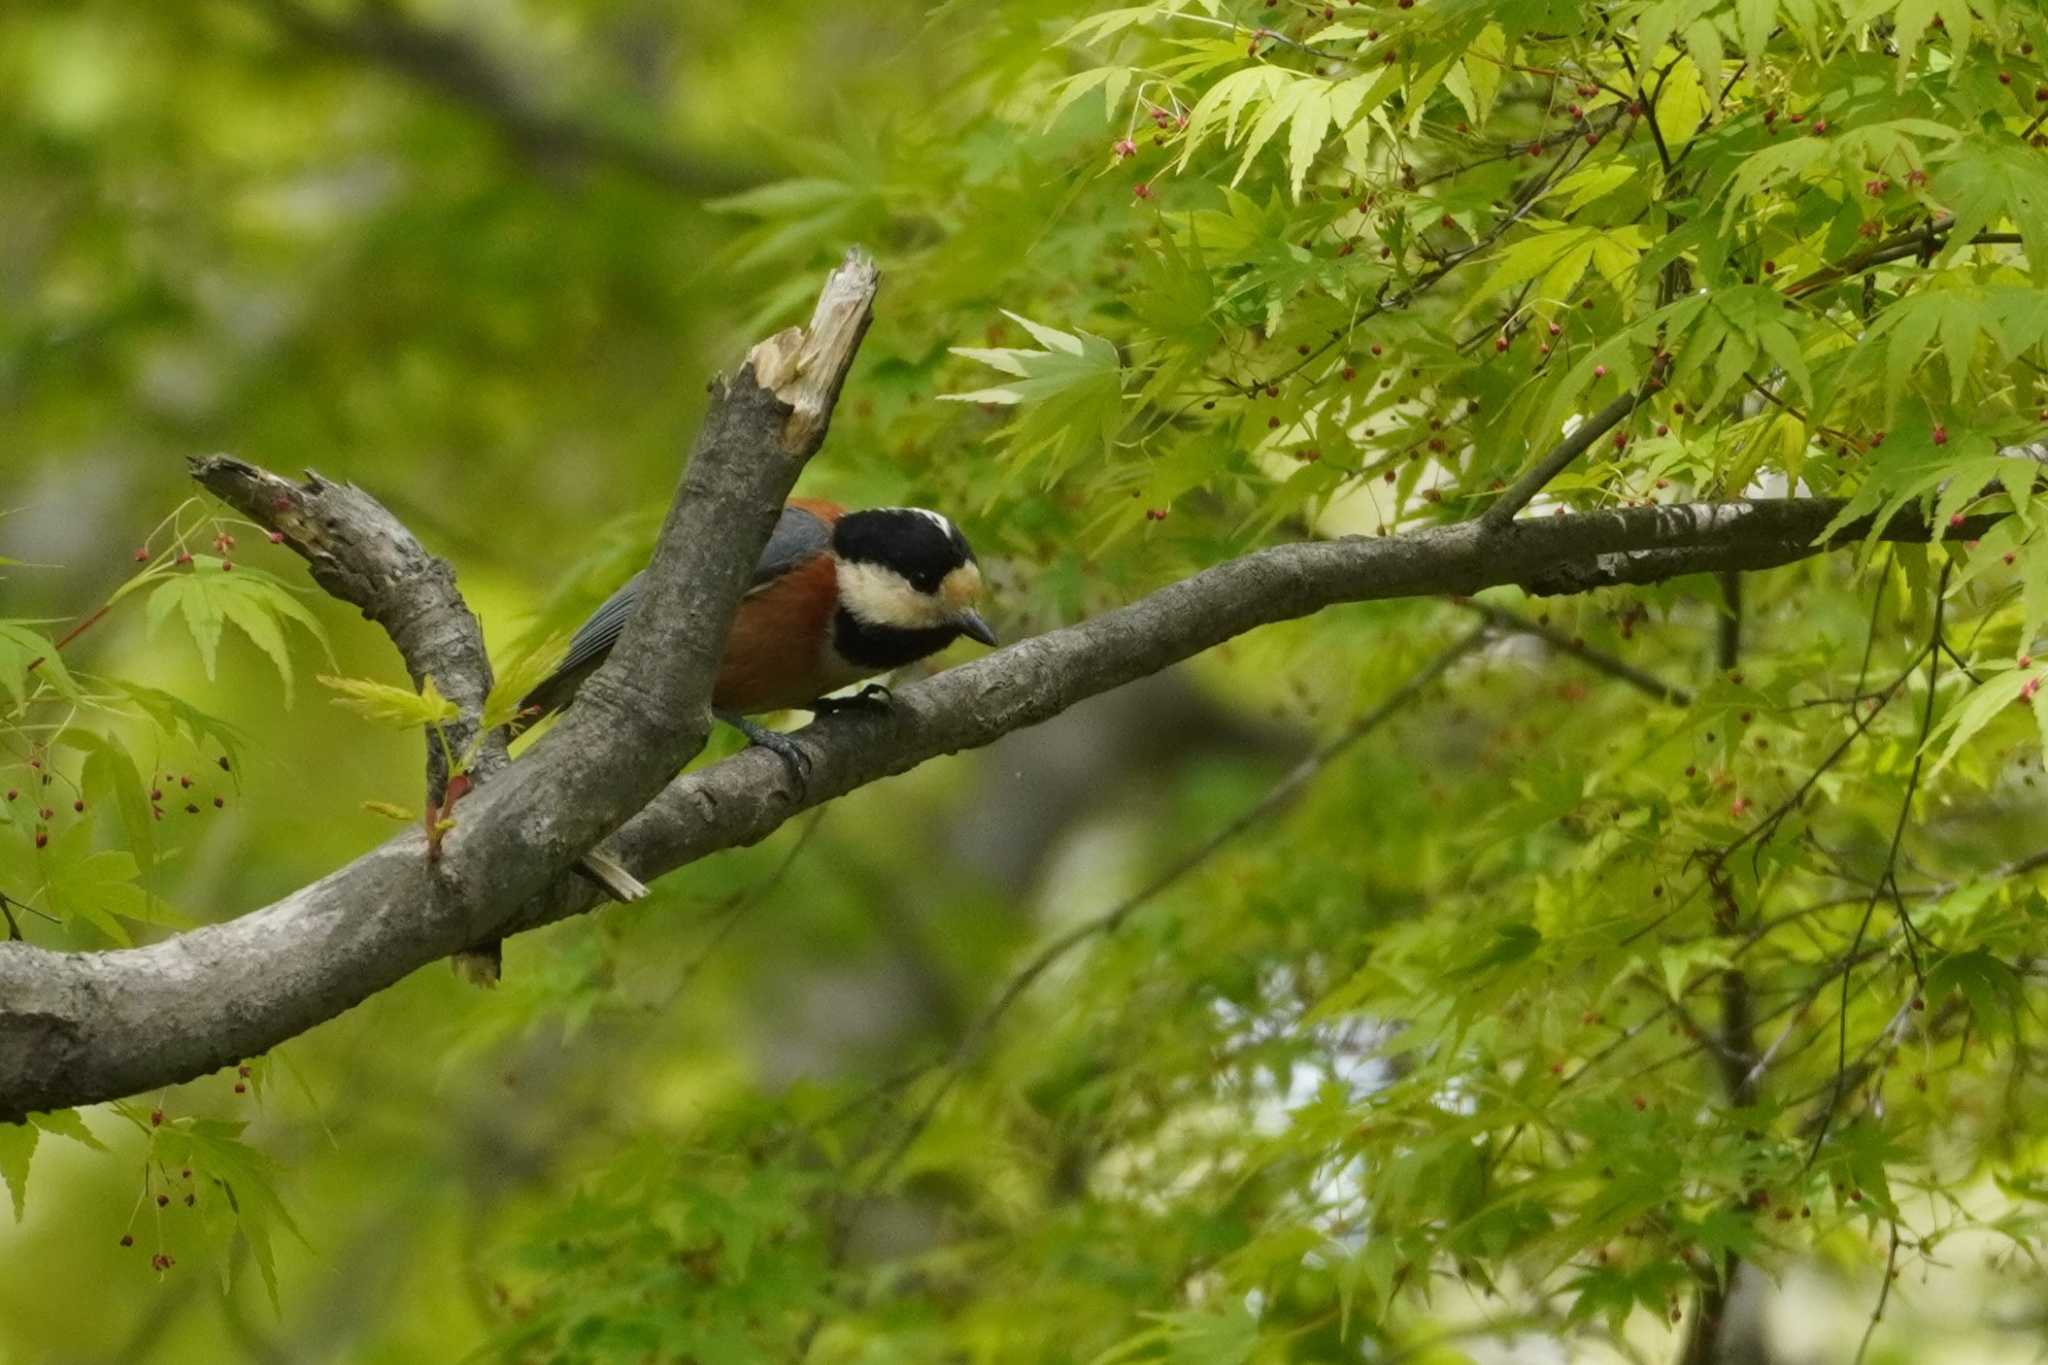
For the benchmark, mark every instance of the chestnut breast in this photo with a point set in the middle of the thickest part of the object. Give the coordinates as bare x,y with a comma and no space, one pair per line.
779,654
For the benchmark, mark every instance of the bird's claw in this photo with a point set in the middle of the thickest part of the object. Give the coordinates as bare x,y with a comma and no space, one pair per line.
794,759
873,697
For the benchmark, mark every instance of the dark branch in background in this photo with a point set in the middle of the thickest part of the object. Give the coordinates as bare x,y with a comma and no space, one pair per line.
1736,1050
1926,238
453,66
1620,669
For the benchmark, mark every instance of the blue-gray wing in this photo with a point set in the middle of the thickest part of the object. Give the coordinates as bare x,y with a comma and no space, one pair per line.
798,535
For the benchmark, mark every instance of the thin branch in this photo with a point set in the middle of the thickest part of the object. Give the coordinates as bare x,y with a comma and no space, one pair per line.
1884,1294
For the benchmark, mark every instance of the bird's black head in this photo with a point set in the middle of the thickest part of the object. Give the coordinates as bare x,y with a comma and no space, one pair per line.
907,572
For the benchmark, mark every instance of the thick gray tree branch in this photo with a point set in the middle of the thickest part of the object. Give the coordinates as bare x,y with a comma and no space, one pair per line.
76,1028
81,1027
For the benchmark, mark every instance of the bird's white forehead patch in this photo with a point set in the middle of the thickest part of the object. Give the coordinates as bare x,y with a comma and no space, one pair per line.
879,596
932,517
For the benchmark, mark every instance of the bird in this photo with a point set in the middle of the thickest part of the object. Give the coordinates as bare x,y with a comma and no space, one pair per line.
836,597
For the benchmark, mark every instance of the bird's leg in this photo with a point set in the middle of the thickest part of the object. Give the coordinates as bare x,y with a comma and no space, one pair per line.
873,697
782,746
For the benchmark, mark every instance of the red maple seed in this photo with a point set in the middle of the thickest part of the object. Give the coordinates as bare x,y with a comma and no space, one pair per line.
1599,371
142,554
1941,436
1500,343
127,1239
42,838
156,1118
277,537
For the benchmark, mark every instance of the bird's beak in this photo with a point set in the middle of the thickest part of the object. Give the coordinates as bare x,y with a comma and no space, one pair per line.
974,628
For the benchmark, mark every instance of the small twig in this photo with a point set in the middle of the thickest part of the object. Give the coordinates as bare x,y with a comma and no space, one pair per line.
1620,669
1933,656
1525,489
1884,1294
731,914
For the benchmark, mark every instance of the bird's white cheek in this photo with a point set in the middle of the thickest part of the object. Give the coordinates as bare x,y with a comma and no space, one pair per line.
883,597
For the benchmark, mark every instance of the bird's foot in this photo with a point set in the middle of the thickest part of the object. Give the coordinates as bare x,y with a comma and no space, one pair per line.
873,697
782,746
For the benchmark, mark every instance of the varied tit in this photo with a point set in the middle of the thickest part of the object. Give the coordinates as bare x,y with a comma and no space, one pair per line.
837,597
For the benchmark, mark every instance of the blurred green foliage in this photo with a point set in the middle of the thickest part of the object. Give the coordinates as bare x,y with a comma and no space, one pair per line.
1448,1042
